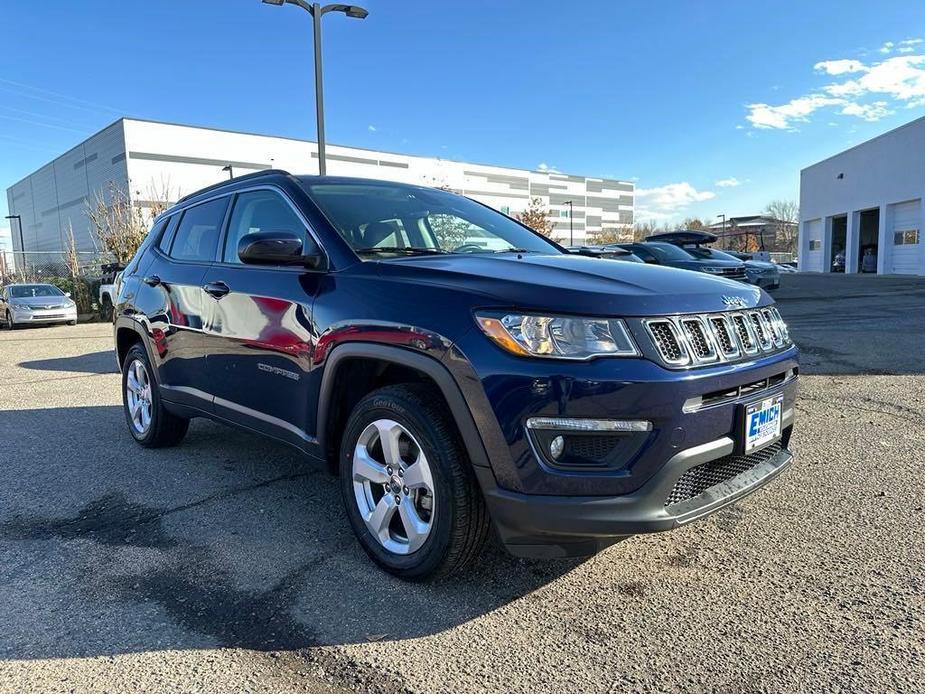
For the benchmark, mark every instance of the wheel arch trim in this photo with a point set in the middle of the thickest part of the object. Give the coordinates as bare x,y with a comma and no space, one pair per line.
430,367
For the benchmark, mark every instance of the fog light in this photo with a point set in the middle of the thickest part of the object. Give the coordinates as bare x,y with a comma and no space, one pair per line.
556,446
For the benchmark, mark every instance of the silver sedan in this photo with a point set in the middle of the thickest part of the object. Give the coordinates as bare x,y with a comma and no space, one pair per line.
25,304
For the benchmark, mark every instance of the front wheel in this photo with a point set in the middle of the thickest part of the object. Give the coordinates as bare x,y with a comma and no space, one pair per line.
148,421
10,325
410,494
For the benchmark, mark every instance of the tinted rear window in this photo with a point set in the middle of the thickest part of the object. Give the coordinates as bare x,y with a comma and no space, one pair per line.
198,232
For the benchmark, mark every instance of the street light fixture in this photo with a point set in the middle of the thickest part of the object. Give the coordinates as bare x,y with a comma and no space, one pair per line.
317,11
230,170
571,225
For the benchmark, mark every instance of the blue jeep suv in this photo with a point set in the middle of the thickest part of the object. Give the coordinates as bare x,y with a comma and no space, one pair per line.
456,370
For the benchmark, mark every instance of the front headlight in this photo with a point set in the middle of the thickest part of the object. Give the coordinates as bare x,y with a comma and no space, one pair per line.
712,270
559,337
21,307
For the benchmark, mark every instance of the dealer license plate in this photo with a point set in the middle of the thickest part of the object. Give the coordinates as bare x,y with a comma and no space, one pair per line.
762,422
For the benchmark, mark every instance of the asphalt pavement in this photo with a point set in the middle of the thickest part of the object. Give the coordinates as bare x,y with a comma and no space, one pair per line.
227,564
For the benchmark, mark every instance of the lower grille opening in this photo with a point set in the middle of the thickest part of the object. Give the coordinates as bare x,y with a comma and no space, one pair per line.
699,479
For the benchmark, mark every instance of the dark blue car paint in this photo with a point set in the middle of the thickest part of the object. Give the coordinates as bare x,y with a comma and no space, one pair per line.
263,356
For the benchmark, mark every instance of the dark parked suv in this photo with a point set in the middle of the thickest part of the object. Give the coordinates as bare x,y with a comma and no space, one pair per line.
457,370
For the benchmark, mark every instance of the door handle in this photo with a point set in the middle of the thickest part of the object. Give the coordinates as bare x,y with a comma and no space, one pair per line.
216,289
152,281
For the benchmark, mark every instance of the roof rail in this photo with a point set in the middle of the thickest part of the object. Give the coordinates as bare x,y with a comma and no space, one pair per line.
245,177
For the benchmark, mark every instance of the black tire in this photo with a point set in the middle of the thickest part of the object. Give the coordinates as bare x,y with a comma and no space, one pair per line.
165,429
8,321
106,308
72,322
460,522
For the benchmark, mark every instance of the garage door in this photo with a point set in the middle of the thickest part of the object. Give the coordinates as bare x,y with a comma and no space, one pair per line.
905,239
813,260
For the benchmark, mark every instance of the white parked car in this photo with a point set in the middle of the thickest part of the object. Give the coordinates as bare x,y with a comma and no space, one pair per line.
31,304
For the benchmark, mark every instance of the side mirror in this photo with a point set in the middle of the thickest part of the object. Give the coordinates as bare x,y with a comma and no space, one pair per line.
67,294
278,248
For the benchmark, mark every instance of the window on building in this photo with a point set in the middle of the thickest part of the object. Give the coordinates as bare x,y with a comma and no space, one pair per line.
563,213
908,237
197,234
505,210
815,245
259,210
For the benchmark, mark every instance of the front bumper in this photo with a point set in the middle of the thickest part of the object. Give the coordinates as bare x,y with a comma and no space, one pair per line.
561,526
57,315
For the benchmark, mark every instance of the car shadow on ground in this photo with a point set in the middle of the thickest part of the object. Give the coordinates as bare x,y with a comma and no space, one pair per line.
103,362
227,540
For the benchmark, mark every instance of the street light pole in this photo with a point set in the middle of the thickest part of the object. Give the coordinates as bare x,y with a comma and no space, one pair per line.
317,11
230,170
571,225
22,241
724,229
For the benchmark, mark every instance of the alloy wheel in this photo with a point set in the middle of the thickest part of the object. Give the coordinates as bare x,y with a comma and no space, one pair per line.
393,486
138,396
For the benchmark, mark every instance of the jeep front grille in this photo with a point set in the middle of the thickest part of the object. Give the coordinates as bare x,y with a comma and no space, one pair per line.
699,479
701,339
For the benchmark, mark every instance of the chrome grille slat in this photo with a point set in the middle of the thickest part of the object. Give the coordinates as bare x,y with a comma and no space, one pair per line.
709,338
699,340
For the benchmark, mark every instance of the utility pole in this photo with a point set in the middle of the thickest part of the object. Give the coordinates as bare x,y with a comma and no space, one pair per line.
22,240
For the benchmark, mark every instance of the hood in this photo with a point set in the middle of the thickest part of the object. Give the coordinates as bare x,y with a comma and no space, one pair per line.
698,263
760,264
56,301
573,284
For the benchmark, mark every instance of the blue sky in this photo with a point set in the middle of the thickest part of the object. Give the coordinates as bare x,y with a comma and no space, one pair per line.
710,107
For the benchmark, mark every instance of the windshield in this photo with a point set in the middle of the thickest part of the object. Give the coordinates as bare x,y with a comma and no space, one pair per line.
667,252
378,218
30,291
702,252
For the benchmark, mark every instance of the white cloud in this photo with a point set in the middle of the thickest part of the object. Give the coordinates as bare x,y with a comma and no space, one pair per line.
898,80
372,128
869,112
730,182
782,117
664,202
543,166
839,67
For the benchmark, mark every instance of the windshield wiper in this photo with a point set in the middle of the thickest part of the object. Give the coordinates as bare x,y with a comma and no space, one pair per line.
411,250
514,250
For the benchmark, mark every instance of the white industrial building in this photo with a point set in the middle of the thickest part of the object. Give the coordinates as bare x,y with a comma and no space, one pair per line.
867,201
147,159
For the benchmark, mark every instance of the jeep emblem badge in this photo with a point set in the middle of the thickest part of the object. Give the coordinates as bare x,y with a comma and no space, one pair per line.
734,301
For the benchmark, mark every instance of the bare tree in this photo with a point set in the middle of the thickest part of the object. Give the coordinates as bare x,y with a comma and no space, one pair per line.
79,288
786,215
611,235
536,216
642,230
695,224
120,224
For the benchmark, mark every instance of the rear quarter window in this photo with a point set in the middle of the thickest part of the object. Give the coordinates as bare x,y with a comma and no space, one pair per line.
198,232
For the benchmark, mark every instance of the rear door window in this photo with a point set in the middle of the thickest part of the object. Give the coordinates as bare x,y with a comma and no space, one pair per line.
199,230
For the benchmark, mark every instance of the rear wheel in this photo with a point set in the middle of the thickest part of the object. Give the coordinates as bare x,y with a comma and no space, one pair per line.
148,421
106,308
410,494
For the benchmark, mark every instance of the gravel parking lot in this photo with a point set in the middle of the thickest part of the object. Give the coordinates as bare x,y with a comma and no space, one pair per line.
227,563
